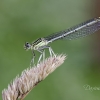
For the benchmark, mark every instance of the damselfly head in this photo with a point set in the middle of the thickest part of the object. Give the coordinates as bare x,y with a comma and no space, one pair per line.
27,46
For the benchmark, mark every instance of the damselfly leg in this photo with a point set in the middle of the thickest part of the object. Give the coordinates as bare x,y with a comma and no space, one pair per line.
42,51
51,52
32,60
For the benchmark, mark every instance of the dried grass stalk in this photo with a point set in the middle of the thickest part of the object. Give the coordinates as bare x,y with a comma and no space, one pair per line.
30,77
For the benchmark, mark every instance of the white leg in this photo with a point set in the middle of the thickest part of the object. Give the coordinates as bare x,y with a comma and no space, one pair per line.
43,55
51,52
40,57
42,51
32,61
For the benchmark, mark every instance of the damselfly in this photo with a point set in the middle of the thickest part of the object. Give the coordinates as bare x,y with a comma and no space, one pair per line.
77,31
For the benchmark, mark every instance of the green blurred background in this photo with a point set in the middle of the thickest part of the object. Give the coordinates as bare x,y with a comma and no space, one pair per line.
27,20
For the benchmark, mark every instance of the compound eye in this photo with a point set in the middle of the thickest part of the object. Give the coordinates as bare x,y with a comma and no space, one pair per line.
27,46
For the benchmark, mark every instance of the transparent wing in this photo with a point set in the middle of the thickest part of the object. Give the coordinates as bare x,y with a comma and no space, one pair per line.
77,31
83,29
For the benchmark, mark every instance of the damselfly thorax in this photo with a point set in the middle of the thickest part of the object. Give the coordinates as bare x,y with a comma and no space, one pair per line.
39,44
